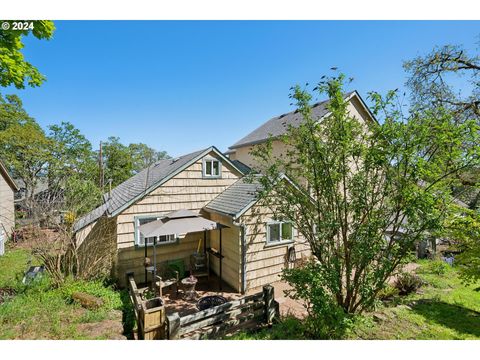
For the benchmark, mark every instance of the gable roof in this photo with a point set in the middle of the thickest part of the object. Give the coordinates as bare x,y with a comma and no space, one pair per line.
279,125
7,177
239,197
144,182
236,198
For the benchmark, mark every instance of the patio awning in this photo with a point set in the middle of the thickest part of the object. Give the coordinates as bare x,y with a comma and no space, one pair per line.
180,223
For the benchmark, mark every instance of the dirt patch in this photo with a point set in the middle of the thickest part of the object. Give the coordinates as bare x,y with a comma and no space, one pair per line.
6,293
408,268
108,329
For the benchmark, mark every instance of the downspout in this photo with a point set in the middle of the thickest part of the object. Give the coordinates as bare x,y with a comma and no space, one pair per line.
243,254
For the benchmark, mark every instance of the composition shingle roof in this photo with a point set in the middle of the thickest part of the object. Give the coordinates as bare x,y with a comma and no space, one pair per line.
236,197
279,125
138,185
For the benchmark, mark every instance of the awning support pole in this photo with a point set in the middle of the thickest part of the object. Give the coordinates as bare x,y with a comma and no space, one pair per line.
146,255
154,280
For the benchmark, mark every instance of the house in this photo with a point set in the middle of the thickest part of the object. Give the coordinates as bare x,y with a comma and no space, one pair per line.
251,248
279,125
8,188
47,202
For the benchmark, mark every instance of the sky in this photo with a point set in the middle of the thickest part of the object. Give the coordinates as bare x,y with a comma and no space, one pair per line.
184,86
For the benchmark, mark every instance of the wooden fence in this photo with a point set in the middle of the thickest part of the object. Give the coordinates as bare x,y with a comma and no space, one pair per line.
246,313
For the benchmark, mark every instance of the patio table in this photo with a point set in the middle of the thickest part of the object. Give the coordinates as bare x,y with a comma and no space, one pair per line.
189,284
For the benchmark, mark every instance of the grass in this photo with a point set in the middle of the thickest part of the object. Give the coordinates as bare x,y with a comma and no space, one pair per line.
443,309
42,311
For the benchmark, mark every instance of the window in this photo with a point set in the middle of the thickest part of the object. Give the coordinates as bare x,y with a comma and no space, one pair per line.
140,239
211,168
278,232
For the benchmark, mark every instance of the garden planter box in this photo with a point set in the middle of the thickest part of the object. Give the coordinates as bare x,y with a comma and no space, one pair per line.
153,319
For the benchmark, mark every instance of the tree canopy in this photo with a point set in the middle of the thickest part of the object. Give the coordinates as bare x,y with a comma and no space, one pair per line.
14,68
365,192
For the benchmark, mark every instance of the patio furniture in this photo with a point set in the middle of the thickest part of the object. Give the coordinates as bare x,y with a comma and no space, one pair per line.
208,302
199,265
168,276
189,286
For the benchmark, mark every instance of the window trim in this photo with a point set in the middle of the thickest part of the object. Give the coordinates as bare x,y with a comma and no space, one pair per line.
136,226
204,168
282,241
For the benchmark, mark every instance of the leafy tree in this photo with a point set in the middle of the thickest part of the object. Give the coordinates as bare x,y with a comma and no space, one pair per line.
73,170
27,152
14,69
355,183
12,112
144,156
121,161
432,86
72,154
118,161
81,196
462,226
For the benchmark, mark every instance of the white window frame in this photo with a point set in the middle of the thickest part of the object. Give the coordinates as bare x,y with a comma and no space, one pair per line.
211,160
160,240
281,241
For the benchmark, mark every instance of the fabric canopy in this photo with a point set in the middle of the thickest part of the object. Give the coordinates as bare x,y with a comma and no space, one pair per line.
180,223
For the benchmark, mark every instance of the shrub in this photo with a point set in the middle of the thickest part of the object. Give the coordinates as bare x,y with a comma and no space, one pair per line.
407,283
436,267
388,293
326,319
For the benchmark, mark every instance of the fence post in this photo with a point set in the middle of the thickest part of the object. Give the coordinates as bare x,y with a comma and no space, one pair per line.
173,326
268,298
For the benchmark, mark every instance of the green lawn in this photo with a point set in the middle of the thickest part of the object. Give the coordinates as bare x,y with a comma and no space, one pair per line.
443,309
41,311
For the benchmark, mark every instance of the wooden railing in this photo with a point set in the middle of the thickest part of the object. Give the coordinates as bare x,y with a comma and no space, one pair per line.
246,313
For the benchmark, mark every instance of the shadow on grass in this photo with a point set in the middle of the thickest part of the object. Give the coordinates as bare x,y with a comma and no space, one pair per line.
128,318
455,317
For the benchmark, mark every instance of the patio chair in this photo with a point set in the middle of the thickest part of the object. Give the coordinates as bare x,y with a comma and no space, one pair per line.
167,277
199,265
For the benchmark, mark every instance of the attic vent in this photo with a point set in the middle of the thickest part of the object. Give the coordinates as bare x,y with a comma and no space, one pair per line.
283,115
174,160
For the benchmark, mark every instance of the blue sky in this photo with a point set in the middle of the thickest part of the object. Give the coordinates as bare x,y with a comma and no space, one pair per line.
183,86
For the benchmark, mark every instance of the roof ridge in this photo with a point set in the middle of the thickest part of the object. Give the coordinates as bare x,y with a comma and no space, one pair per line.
272,127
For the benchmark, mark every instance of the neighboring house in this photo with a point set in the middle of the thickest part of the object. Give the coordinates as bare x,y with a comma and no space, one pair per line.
8,188
48,202
254,247
279,125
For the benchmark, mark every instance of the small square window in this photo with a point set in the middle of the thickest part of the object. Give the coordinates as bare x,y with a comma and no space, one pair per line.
211,168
